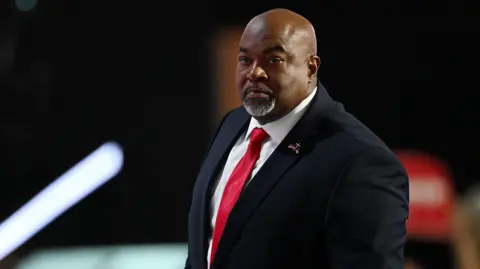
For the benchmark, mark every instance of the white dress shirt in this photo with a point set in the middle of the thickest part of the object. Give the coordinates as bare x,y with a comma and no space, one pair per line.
277,131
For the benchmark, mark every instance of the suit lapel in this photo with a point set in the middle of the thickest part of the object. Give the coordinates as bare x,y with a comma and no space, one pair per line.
228,134
283,158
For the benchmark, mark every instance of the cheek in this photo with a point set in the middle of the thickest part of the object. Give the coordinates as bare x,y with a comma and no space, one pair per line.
291,84
239,74
288,82
240,79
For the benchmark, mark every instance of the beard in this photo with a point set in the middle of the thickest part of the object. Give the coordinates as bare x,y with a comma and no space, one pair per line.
259,107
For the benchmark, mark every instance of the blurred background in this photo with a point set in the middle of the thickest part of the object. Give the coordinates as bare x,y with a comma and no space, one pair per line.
156,79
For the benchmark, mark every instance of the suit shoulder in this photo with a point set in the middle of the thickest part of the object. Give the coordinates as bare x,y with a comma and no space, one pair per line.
354,136
225,122
361,147
234,114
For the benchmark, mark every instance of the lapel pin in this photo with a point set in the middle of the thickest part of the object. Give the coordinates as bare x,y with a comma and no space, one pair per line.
295,147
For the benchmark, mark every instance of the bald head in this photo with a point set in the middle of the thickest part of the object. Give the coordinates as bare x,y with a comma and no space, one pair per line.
287,24
277,63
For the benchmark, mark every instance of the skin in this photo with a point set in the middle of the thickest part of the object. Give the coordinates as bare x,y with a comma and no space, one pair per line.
277,64
466,234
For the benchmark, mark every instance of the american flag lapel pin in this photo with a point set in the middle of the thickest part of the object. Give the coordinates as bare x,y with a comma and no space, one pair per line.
295,147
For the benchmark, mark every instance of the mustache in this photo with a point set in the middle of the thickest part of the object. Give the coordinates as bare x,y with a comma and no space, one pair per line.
257,89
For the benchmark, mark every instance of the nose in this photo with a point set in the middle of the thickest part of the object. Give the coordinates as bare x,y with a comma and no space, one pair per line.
257,73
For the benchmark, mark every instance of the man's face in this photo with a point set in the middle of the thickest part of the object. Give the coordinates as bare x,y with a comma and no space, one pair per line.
272,71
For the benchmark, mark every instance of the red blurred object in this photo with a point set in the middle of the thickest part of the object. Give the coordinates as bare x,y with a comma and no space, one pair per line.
432,196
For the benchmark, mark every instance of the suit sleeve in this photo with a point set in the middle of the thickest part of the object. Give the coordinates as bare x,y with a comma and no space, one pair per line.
187,261
366,221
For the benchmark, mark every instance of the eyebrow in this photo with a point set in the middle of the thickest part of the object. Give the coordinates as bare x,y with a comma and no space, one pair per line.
276,48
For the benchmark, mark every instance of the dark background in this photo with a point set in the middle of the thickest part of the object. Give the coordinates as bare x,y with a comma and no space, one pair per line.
141,74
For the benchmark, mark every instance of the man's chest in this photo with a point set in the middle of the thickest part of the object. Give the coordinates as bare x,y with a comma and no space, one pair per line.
225,172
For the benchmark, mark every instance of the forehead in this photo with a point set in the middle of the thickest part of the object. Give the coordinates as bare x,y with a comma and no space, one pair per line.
259,36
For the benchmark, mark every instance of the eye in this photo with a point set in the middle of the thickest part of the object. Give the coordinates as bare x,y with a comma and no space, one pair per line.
243,60
275,60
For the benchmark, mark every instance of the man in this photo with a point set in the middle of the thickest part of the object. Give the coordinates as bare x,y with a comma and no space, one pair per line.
291,180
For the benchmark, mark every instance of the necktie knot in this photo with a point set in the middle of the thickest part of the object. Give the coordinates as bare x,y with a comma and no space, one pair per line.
258,136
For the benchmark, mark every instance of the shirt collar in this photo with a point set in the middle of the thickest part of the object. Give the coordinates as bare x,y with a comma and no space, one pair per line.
278,130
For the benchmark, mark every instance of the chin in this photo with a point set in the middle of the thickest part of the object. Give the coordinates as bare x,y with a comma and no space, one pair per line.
259,110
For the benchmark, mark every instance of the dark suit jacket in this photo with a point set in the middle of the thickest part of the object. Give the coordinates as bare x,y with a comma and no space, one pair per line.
341,203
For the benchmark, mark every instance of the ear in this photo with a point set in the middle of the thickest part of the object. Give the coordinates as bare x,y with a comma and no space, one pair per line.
313,65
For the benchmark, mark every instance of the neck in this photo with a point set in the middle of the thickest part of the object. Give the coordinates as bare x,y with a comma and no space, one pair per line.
312,87
283,112
266,119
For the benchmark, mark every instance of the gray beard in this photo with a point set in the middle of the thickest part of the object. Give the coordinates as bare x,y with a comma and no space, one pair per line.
257,109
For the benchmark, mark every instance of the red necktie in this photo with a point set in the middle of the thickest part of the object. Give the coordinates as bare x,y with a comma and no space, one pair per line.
235,184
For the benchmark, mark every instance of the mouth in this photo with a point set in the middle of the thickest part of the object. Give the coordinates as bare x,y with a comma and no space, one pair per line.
257,93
